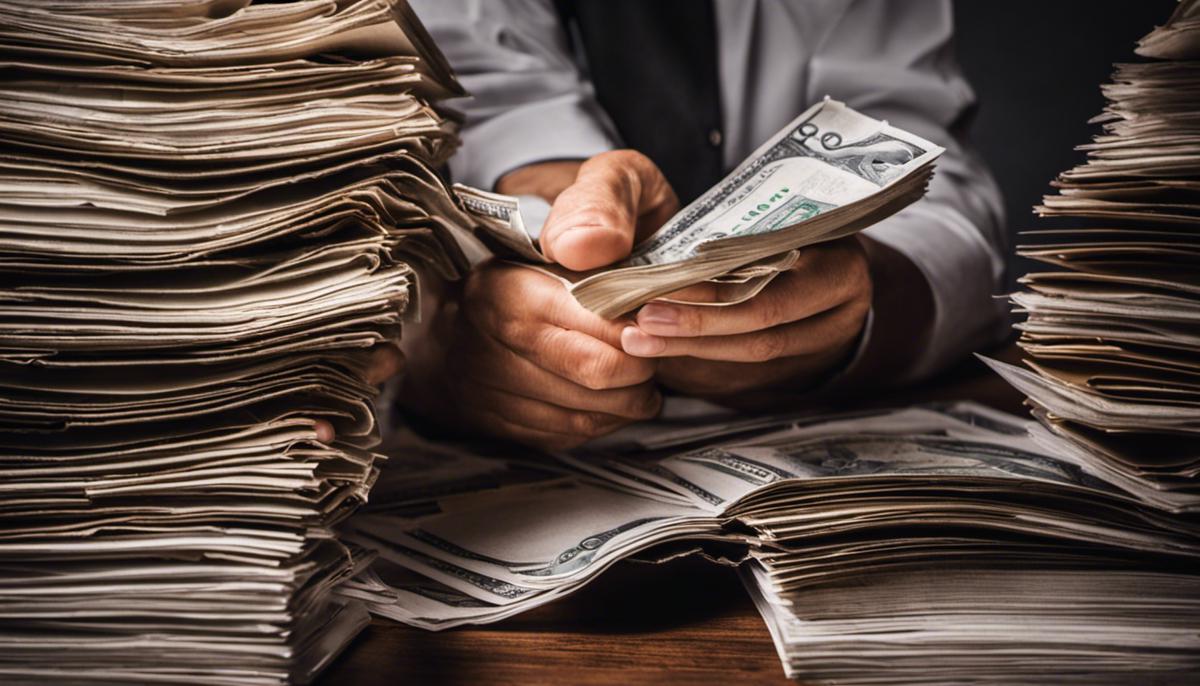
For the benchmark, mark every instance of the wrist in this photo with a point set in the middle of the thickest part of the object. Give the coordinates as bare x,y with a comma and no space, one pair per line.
901,321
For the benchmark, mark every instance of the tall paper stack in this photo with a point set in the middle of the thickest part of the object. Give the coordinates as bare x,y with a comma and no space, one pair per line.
1113,337
206,207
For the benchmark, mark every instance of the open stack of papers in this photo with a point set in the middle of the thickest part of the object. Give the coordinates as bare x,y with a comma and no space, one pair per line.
1113,336
206,212
877,545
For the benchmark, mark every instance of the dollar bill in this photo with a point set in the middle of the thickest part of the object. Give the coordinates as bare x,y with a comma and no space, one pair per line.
828,157
829,173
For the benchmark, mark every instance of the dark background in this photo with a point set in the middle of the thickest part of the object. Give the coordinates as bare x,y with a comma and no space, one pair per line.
1037,68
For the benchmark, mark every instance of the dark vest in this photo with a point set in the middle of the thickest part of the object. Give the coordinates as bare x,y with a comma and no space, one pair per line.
654,67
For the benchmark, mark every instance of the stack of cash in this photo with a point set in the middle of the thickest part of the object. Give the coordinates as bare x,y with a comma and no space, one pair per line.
205,212
830,173
1113,337
875,544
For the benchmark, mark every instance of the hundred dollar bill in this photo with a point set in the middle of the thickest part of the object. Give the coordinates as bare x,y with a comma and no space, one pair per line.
827,158
829,173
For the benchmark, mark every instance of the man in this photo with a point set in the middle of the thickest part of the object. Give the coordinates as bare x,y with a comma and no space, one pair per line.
615,111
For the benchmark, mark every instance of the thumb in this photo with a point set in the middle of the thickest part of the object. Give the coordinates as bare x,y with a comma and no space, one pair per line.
617,198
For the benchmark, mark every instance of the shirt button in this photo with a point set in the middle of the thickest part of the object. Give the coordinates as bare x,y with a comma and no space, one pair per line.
714,138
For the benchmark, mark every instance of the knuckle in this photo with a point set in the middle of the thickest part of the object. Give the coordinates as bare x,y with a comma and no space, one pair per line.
635,168
773,309
509,329
584,423
549,344
691,320
502,302
557,309
765,345
596,372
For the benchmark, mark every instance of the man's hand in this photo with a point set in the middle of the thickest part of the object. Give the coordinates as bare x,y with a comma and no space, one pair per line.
513,354
799,329
617,198
516,357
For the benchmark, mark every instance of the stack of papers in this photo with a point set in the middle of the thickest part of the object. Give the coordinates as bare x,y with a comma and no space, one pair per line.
1113,336
207,210
875,544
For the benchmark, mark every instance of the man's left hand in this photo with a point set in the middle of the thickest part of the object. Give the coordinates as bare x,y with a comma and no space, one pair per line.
798,331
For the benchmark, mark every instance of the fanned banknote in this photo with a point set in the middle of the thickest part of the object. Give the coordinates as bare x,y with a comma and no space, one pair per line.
828,174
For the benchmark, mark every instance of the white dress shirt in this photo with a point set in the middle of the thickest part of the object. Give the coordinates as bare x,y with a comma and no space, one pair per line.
891,60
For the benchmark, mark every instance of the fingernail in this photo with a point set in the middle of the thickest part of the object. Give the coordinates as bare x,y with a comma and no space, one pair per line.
554,249
324,431
658,316
636,342
561,232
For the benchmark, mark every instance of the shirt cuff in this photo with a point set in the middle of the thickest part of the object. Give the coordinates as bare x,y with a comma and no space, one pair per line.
560,128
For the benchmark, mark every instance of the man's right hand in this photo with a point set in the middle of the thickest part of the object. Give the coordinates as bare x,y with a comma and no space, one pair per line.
513,355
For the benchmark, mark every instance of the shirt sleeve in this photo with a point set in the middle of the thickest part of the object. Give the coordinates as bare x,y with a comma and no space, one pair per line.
895,61
529,102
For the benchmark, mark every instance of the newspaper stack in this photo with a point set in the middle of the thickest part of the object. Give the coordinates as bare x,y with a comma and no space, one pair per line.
1113,338
205,206
924,545
828,174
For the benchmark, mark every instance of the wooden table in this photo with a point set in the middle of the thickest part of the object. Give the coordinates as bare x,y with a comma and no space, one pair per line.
685,622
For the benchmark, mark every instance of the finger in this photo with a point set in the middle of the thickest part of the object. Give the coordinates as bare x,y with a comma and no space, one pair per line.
703,292
832,328
541,322
495,366
386,362
821,281
583,360
595,221
513,302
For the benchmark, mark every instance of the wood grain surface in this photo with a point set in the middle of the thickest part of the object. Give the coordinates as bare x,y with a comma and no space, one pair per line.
684,622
